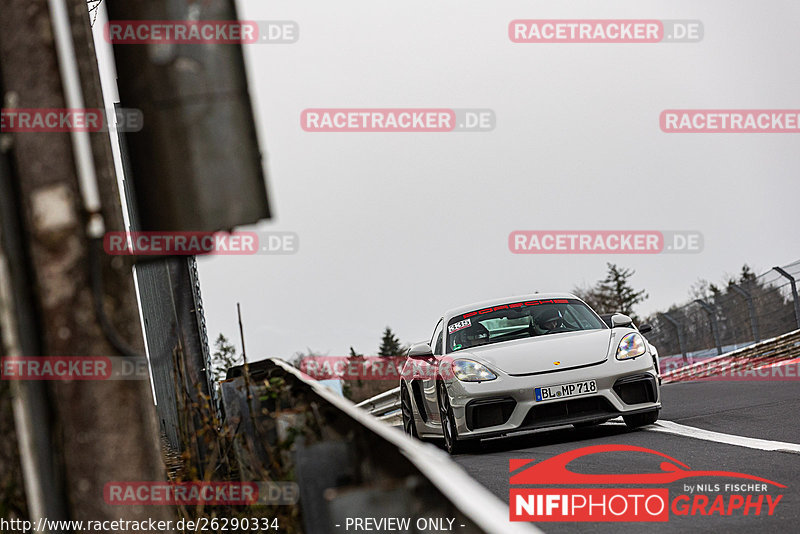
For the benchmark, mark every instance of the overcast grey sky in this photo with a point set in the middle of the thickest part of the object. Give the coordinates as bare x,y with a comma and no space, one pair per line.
396,227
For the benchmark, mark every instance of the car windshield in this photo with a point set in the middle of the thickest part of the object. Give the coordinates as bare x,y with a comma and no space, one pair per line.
519,320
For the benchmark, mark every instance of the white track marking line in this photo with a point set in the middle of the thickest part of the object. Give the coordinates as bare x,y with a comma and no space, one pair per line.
668,427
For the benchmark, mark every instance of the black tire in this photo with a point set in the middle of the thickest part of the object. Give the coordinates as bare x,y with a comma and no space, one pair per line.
449,431
640,419
407,411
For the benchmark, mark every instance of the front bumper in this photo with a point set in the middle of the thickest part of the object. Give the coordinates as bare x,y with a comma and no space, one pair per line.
507,404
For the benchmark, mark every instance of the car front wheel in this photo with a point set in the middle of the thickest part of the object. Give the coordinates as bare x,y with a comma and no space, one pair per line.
407,412
449,431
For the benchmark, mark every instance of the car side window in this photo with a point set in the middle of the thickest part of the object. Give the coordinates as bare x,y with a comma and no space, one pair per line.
438,349
436,338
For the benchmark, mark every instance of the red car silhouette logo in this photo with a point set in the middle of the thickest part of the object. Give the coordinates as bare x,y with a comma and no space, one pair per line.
554,470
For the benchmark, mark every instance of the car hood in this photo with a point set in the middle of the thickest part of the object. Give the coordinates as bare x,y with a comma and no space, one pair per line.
540,354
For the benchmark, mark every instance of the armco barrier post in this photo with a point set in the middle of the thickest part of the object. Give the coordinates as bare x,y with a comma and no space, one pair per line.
794,293
712,316
679,330
750,310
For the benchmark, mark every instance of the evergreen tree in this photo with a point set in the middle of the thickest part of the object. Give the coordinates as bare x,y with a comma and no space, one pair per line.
390,345
223,358
746,275
614,294
616,291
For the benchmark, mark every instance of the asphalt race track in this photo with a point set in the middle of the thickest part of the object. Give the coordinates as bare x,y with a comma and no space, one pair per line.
761,410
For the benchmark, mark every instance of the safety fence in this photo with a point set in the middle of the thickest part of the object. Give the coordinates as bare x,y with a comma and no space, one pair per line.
747,310
764,360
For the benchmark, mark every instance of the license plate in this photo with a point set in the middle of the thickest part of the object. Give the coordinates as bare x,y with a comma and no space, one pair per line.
565,390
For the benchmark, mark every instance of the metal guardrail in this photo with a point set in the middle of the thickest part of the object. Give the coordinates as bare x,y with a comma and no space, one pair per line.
385,406
357,465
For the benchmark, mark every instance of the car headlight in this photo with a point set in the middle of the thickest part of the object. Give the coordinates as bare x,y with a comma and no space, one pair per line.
631,346
469,371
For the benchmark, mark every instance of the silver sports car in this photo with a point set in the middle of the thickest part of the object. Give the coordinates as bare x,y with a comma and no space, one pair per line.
525,363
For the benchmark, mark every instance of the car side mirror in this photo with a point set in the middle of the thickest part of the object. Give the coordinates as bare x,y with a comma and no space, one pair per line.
645,328
620,319
421,351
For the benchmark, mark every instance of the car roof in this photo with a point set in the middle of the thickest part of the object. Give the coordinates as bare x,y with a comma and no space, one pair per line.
506,300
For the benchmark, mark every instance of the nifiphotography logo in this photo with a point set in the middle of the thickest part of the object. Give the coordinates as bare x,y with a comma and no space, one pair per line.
744,495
